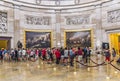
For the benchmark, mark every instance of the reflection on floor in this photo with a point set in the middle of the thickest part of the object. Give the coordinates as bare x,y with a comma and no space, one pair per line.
37,71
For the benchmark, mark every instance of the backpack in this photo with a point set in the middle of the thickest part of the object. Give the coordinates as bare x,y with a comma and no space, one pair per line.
107,54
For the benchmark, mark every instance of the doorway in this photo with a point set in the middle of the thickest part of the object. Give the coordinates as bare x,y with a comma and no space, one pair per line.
115,42
5,42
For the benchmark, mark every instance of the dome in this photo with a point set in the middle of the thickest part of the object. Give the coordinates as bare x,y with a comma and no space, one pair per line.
55,2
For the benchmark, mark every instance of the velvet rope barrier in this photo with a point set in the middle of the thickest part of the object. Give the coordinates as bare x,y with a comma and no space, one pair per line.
103,63
94,65
114,66
88,65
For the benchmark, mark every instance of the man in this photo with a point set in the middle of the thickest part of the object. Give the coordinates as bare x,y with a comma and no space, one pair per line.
1,56
16,55
72,55
24,54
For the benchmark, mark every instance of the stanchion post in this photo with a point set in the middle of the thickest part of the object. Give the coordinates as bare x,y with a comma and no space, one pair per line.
68,66
39,62
108,77
75,66
54,64
88,63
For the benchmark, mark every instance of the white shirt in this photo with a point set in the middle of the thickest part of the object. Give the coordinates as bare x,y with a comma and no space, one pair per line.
23,52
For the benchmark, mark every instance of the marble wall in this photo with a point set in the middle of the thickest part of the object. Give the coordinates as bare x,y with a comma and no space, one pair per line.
7,22
100,18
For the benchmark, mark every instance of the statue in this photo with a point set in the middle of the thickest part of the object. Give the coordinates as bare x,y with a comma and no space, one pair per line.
19,44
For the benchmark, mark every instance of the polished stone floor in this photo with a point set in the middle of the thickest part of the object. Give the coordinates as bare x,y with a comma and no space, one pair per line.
37,71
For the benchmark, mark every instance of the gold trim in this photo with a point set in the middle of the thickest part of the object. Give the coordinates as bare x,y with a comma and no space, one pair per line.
91,31
38,31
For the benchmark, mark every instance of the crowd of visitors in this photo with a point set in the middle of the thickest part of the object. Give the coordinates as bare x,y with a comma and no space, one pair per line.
60,55
50,55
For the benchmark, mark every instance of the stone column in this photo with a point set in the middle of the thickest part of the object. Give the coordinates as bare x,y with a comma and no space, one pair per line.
57,28
16,25
98,22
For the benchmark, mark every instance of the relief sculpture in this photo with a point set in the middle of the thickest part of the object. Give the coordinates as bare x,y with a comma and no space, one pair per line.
77,20
114,16
3,22
36,20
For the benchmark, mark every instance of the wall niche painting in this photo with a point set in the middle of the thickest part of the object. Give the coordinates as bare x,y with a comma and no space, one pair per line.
78,38
38,39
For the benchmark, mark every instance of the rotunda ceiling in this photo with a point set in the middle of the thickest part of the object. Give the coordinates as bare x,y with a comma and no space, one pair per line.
57,4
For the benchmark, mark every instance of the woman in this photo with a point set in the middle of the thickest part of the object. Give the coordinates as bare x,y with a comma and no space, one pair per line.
57,53
66,56
107,55
79,54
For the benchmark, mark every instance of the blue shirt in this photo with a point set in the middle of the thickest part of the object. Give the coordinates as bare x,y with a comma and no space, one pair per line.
5,51
0,52
71,52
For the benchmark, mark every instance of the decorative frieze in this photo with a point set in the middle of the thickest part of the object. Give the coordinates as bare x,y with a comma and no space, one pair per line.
77,20
113,16
3,22
37,20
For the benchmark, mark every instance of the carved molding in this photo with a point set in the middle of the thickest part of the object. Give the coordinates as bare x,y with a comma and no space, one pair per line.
77,1
38,2
113,16
37,20
77,20
3,22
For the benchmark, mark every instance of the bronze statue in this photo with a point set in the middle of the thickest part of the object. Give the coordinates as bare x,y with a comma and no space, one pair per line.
19,44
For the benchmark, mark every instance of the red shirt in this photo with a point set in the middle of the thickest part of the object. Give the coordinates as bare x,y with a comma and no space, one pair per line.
28,52
57,53
79,52
37,52
43,52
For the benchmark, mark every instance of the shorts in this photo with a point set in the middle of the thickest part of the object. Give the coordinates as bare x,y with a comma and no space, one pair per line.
107,59
65,57
79,57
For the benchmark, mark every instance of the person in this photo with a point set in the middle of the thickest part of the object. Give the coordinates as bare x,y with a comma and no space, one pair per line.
12,54
40,53
19,54
62,54
1,55
107,55
79,54
57,53
88,55
28,51
16,55
37,53
44,54
71,53
85,54
24,54
5,54
66,56
49,52
113,53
